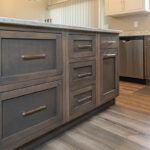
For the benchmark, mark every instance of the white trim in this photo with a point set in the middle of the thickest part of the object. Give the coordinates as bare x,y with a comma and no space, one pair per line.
54,2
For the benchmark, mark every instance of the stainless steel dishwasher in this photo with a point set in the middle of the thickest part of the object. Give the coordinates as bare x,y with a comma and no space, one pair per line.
131,57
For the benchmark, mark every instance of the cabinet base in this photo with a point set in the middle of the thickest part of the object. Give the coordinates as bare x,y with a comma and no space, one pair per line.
45,138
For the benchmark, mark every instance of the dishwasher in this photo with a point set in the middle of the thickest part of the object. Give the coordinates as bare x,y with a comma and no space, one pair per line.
131,57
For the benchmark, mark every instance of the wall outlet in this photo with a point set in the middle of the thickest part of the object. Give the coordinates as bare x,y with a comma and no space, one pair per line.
136,24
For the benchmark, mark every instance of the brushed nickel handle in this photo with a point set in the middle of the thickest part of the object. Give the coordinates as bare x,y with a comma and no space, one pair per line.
30,57
109,55
33,111
84,46
110,42
84,75
84,99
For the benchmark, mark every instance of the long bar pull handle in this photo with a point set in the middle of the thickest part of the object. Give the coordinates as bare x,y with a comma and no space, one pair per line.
110,42
33,111
30,57
84,99
84,46
109,55
84,75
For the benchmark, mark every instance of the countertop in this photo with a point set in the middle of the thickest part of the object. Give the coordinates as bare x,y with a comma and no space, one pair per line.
12,21
135,33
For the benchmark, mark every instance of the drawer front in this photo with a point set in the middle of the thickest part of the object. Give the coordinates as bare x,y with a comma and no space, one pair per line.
82,101
109,41
82,74
29,55
30,107
82,45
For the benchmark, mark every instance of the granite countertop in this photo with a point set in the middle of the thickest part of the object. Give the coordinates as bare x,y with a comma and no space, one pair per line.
135,33
12,21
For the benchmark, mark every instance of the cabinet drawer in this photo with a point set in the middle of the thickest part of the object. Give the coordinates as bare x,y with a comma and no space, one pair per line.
109,41
31,107
82,45
82,74
27,55
82,101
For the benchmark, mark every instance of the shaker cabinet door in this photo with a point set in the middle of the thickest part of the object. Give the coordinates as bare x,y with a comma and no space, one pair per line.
113,6
109,76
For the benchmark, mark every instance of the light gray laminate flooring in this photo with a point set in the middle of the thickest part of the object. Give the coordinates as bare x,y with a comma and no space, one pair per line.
117,128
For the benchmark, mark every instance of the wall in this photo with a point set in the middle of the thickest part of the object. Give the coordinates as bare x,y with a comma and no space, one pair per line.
126,23
24,9
76,12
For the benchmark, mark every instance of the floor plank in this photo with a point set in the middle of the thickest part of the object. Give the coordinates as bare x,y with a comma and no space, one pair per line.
125,126
130,99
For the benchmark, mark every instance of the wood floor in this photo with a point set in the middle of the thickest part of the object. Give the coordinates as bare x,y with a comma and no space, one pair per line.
118,128
130,99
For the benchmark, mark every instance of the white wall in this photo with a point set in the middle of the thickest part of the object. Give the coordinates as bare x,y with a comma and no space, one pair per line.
24,9
76,12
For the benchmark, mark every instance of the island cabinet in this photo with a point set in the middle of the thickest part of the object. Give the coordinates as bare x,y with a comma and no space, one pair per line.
49,77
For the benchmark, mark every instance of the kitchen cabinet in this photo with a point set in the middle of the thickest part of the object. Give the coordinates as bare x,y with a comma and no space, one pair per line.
147,56
109,67
133,5
113,6
125,7
52,75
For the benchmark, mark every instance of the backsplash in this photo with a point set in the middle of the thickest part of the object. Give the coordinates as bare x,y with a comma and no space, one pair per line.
126,23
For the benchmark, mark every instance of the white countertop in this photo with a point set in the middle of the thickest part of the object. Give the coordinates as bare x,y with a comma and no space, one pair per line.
135,33
12,21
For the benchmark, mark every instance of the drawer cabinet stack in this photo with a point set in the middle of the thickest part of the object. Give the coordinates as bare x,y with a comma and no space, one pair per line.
82,64
31,85
49,77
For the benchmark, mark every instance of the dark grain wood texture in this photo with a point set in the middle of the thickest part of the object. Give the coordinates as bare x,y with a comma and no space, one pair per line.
82,101
109,69
18,128
82,74
82,45
109,41
50,78
15,68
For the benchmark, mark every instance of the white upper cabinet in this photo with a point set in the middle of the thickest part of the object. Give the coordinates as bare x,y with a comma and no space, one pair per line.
125,7
114,6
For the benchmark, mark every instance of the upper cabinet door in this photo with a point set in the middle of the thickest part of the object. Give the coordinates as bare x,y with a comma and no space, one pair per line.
126,7
113,6
132,5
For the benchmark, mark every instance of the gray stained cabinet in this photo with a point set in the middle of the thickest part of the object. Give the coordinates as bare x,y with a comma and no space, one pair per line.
31,111
82,101
109,68
50,77
82,45
29,55
82,74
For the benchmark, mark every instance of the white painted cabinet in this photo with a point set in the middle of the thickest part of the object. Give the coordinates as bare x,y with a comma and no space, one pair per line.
113,6
125,7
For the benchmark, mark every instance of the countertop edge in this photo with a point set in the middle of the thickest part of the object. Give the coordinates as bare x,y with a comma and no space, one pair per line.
12,21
